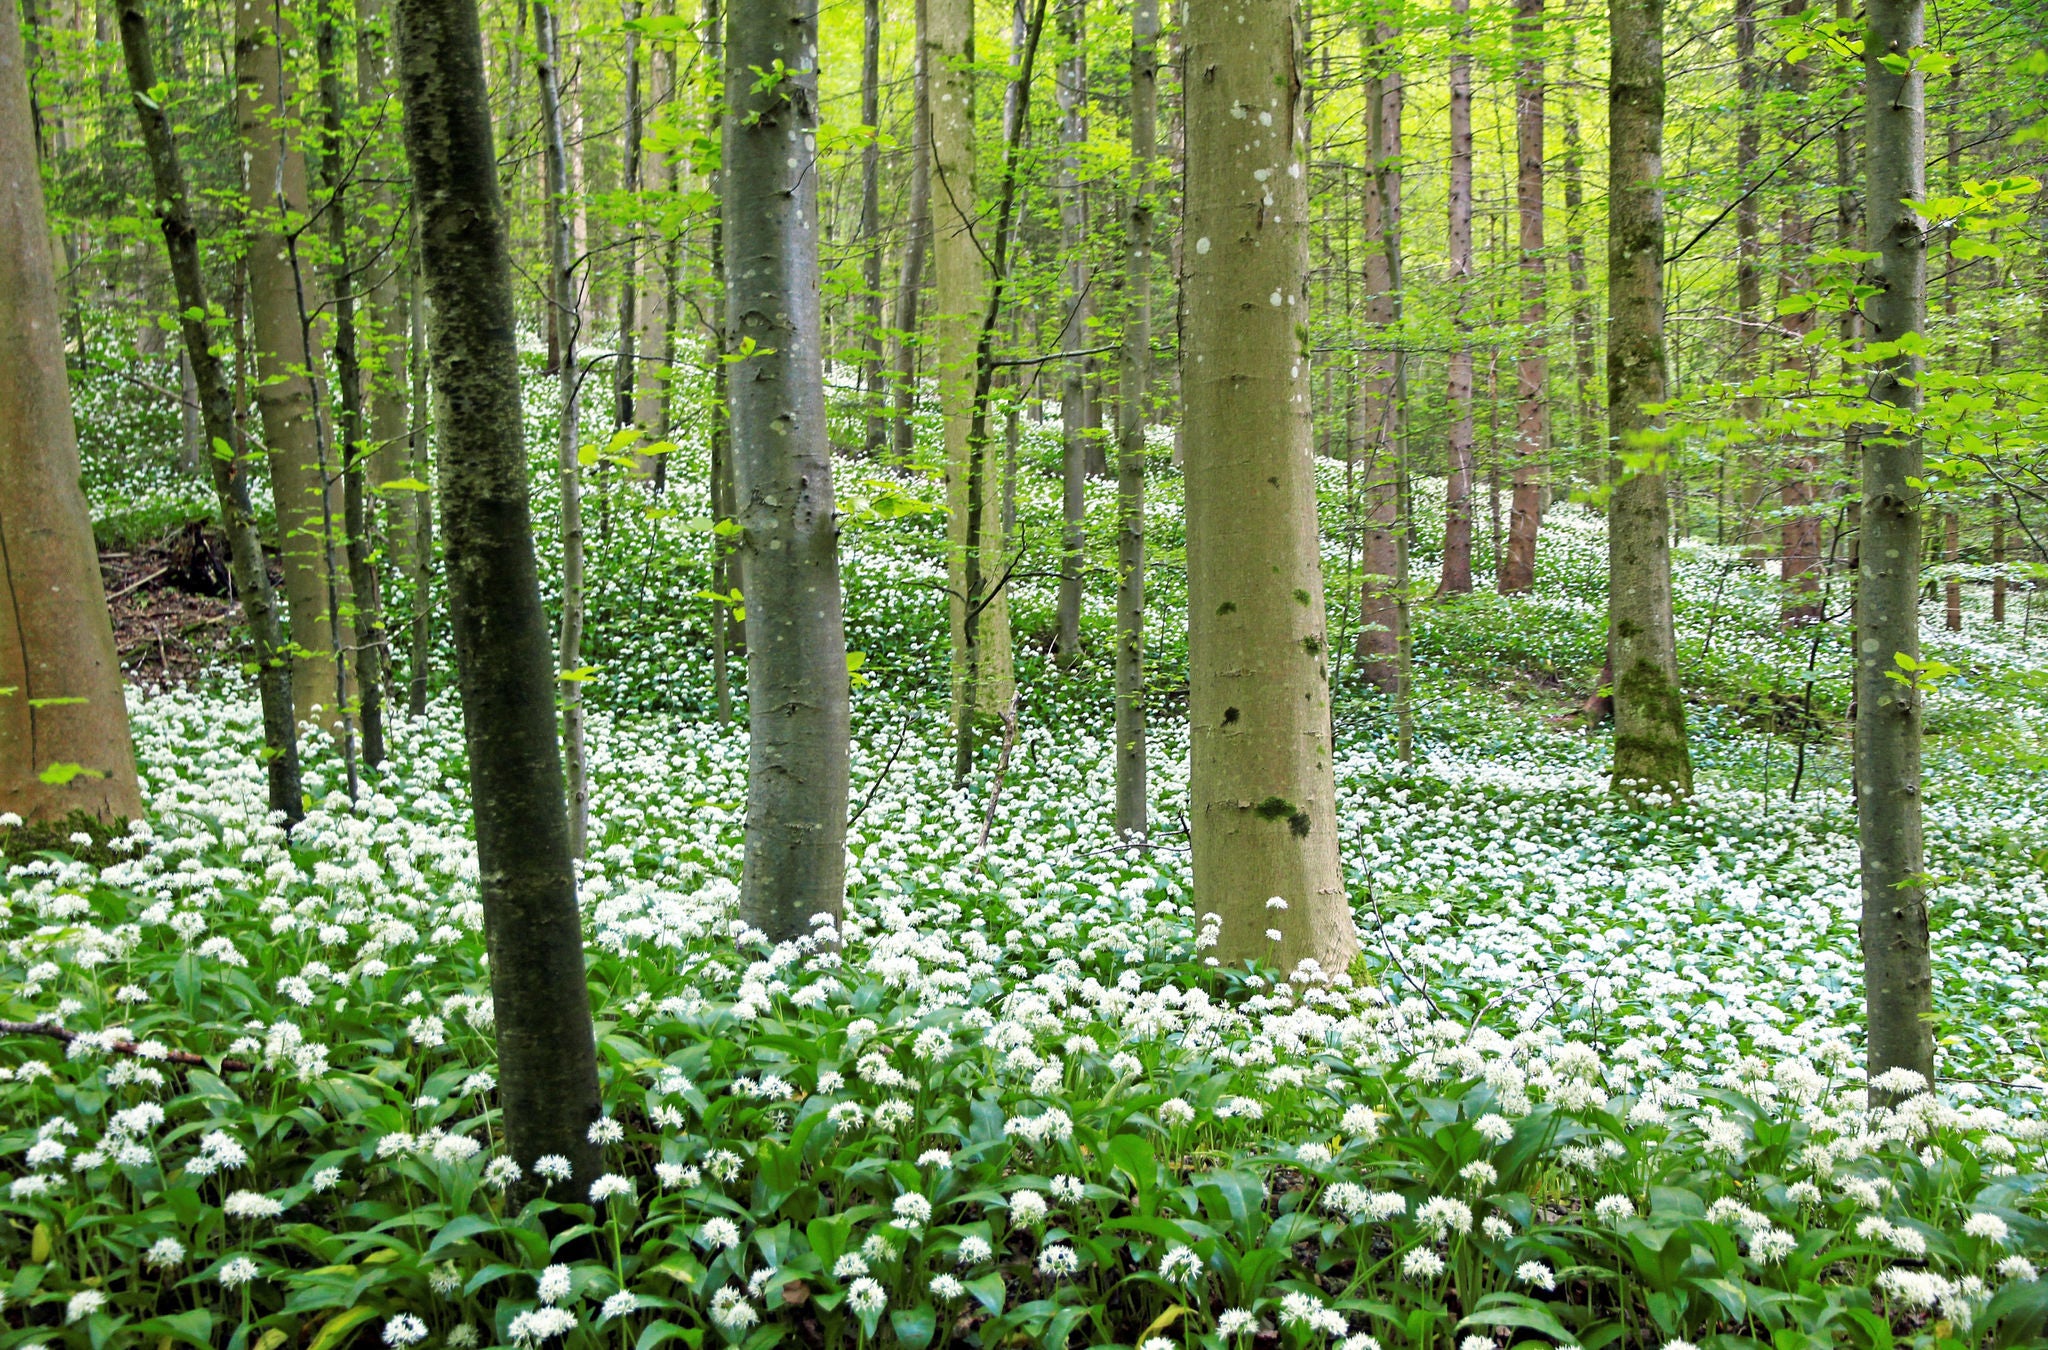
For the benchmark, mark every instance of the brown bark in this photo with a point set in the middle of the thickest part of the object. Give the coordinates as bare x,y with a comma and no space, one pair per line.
1457,566
1382,610
64,742
305,484
1532,368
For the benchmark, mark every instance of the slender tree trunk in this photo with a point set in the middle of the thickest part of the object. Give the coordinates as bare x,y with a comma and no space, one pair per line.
1650,752
385,318
547,1062
626,371
1585,370
1071,86
782,470
191,431
1898,975
1998,559
1532,370
367,621
725,578
654,345
301,479
962,290
1952,554
1751,482
875,434
64,741
1799,532
1457,570
917,227
420,442
1261,787
1134,385
562,266
217,404
1382,608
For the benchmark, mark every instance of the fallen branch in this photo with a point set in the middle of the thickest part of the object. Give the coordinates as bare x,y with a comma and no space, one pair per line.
57,1033
138,583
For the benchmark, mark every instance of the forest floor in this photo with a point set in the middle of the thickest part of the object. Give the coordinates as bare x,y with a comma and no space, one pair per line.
1602,1087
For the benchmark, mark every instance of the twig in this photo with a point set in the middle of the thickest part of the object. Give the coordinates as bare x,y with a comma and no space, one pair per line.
995,794
875,786
57,1033
138,583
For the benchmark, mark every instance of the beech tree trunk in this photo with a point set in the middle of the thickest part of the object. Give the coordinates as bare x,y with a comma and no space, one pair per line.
383,330
304,485
1532,369
782,472
875,433
562,254
1799,531
1752,484
1585,367
64,741
1071,88
960,301
217,405
1457,567
1383,608
1651,757
1898,974
547,1061
917,226
1134,385
1261,788
654,344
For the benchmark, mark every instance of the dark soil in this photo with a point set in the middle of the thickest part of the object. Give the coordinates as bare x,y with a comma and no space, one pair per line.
172,606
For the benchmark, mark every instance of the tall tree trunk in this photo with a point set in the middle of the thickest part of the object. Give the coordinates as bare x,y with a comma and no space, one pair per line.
1898,974
1261,789
1457,570
1997,559
626,370
917,227
1752,483
1134,385
419,444
1650,752
782,471
725,578
302,482
192,450
1071,87
1799,532
654,345
1382,607
562,255
1585,370
217,406
875,433
962,291
385,319
354,448
64,742
1532,370
547,1061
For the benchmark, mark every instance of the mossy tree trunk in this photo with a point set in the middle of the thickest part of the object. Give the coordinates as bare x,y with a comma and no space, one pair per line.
797,683
217,404
1134,385
64,741
547,1061
1651,758
1261,791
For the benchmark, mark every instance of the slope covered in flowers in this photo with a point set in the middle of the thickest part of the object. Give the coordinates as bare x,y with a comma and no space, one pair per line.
1597,1082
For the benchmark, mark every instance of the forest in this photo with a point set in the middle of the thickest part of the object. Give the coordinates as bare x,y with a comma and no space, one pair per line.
918,675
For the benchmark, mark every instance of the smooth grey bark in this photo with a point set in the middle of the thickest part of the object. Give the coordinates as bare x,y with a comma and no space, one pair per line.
875,432
1261,790
1134,392
1898,973
1532,367
917,229
217,405
797,684
562,257
547,1060
1070,87
1650,751
1383,606
1457,563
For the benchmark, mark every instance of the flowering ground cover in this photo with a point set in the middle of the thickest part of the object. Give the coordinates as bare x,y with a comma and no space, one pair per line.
1595,1080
